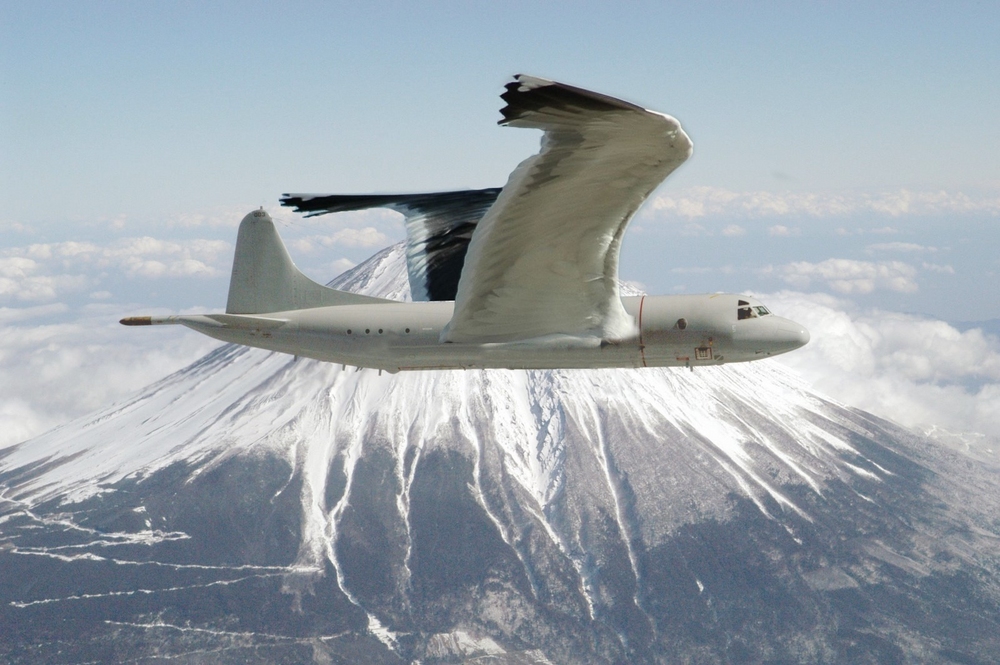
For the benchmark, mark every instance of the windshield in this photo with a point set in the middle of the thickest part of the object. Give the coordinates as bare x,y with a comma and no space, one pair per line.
744,310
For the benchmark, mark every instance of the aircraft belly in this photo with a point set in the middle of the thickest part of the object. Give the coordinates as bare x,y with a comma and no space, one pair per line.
483,356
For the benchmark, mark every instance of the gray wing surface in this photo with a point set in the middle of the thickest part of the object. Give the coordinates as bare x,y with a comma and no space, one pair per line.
439,226
544,259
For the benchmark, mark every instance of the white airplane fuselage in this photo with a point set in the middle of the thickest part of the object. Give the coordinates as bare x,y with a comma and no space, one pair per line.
680,330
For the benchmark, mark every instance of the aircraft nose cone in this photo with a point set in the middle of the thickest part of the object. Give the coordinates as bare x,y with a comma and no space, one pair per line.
793,334
770,335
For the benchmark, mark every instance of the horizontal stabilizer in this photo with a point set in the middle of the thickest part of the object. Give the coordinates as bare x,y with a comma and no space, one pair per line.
238,321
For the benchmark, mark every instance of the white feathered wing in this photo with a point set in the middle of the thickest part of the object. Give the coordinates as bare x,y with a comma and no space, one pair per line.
544,259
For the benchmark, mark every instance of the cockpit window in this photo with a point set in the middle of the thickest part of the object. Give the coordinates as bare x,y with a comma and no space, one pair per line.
744,310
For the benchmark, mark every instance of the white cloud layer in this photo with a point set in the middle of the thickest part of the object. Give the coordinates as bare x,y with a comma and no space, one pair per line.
848,276
25,279
715,201
919,372
44,271
56,371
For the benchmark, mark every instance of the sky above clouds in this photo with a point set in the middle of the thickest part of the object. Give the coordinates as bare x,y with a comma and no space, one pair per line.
845,170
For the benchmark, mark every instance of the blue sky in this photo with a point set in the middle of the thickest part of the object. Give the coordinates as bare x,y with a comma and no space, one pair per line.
146,108
845,160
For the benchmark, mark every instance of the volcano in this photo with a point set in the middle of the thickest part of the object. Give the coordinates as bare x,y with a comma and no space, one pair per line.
256,507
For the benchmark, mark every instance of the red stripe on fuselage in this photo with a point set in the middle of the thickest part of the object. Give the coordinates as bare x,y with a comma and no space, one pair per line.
642,347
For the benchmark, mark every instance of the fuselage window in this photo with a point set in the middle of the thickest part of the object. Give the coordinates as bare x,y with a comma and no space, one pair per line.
761,310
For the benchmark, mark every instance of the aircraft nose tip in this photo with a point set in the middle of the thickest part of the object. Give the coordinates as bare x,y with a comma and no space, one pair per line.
793,334
802,337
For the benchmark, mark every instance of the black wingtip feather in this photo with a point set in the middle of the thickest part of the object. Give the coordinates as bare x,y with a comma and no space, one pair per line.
522,101
321,204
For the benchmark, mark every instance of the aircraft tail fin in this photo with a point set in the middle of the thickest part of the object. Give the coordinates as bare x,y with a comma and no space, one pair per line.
265,279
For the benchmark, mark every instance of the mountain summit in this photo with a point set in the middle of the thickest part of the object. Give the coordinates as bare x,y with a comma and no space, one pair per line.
256,507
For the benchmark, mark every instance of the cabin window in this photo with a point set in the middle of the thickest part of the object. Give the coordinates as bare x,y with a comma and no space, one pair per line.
761,310
348,331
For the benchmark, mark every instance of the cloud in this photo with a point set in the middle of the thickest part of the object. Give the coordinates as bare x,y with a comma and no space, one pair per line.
152,257
906,247
366,237
45,271
919,372
229,217
935,267
884,230
782,231
19,420
16,267
734,230
218,217
848,276
13,314
54,371
700,202
349,237
703,270
341,265
7,226
24,279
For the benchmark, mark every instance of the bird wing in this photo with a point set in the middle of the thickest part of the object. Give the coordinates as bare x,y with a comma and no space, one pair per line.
544,258
439,226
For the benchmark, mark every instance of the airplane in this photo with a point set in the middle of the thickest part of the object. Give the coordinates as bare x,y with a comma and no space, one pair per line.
519,277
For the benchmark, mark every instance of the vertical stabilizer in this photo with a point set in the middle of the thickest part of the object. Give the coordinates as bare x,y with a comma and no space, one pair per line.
265,279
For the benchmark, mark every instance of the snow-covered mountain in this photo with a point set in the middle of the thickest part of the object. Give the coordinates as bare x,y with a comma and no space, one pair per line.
256,507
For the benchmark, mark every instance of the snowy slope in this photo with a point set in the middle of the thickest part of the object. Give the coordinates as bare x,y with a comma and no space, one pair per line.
568,515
